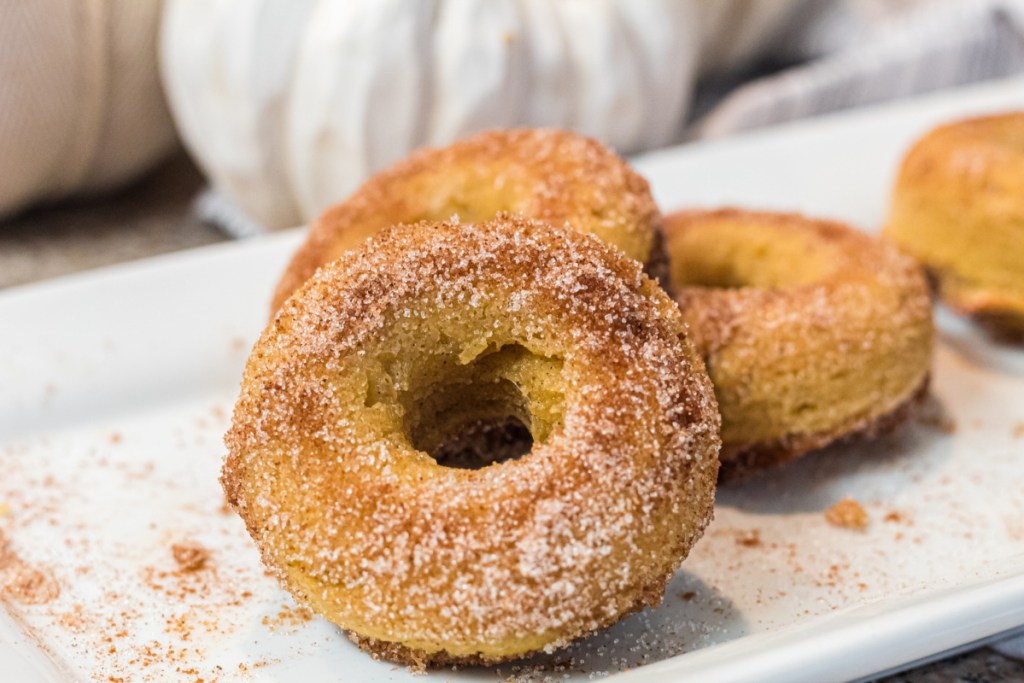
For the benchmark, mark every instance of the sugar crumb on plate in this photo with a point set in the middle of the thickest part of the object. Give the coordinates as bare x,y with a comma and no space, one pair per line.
190,556
749,538
847,514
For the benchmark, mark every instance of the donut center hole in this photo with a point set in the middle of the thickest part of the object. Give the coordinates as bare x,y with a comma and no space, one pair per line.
485,442
487,411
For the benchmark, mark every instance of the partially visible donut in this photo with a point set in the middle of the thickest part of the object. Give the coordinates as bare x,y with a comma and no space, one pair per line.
958,207
433,328
550,175
812,332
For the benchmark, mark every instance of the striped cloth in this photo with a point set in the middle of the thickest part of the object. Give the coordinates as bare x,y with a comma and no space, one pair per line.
874,52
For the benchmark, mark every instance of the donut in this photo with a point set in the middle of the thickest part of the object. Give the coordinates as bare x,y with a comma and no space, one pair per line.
958,207
812,332
396,347
550,175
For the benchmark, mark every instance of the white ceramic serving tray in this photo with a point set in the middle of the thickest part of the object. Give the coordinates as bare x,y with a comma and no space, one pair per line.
116,386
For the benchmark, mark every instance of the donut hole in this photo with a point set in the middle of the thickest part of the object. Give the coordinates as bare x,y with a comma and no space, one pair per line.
485,442
489,410
472,424
731,254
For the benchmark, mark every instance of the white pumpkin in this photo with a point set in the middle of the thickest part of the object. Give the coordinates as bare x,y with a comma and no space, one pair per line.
289,105
81,105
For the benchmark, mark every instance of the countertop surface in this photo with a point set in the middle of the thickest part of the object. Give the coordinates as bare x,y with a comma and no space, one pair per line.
155,216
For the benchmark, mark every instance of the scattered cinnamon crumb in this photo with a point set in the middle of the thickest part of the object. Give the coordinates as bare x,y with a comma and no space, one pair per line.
750,538
1018,430
29,585
7,555
289,615
687,596
22,582
896,517
848,514
190,556
225,504
73,620
116,438
834,576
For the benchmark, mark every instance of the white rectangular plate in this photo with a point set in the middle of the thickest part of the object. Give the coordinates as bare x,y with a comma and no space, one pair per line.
116,386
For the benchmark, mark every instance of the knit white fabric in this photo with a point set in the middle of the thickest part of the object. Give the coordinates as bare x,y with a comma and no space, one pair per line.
81,107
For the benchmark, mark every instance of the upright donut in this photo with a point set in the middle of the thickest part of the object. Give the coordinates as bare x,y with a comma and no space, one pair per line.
812,332
958,207
435,328
551,175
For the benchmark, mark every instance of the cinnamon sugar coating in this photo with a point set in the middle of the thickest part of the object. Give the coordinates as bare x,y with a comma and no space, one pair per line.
746,460
551,175
430,326
812,332
957,207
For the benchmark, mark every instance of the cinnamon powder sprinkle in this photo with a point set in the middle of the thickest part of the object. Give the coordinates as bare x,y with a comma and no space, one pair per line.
896,517
21,582
6,554
29,585
190,556
289,616
750,538
848,514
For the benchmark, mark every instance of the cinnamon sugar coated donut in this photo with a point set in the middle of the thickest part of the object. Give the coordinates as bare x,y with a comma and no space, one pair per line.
958,207
551,175
432,329
812,332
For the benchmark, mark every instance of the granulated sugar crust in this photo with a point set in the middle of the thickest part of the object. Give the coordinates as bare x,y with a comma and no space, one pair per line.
837,343
424,561
550,175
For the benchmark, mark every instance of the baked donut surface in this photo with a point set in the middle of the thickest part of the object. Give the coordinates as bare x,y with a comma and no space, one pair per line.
958,207
811,331
550,175
431,328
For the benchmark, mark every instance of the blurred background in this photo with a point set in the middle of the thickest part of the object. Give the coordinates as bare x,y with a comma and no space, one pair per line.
130,128
133,127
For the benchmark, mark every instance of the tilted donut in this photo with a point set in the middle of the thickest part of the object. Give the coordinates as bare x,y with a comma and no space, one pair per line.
958,207
430,328
811,331
550,175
